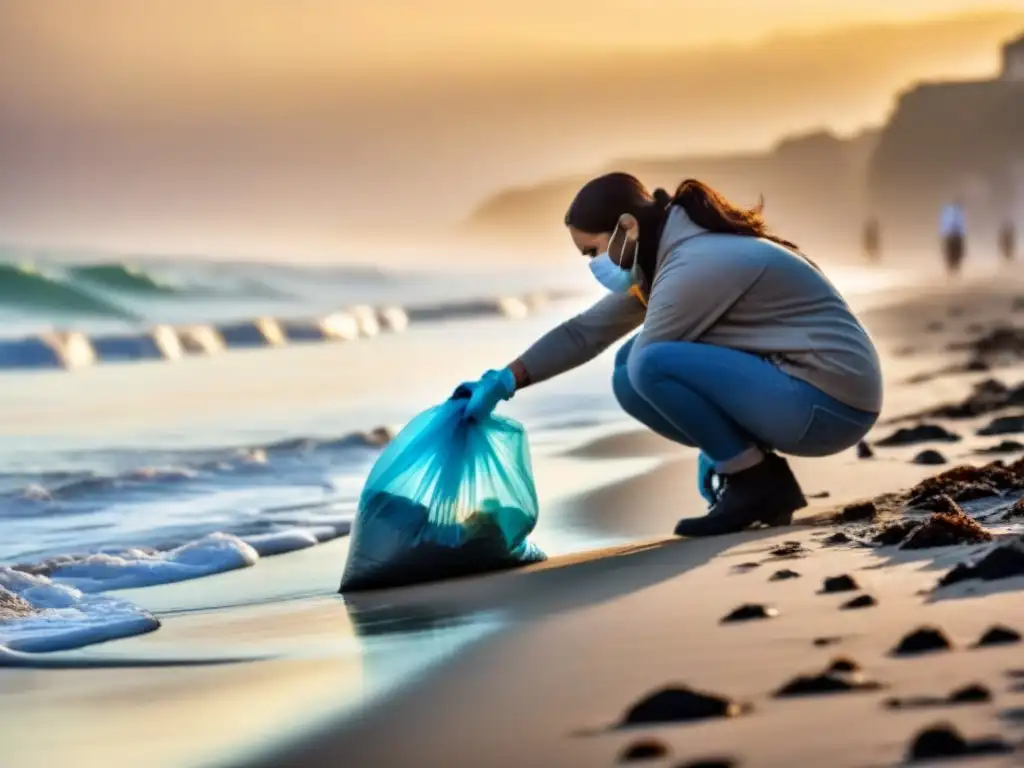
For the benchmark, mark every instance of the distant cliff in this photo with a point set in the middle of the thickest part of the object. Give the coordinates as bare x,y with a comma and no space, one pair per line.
813,186
944,141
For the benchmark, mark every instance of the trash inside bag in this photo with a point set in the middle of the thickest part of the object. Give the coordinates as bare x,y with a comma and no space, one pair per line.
448,497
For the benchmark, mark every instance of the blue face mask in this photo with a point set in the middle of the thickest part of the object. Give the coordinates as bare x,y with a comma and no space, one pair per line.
608,273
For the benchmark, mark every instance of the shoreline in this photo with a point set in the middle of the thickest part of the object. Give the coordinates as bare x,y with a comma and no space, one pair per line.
593,617
552,651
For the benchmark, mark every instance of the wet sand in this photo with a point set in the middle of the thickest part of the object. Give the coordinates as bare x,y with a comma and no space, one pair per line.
539,666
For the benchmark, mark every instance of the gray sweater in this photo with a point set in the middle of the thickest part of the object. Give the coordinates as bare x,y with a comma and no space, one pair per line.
744,293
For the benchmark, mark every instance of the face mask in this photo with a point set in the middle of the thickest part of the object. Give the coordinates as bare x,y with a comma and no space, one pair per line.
608,273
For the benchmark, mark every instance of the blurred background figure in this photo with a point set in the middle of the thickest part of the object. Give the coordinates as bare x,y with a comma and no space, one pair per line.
872,240
1008,241
954,236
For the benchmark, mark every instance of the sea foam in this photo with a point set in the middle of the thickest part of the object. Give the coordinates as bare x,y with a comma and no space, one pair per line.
38,614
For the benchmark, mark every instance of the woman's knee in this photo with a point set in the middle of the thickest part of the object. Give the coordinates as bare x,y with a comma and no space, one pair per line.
622,356
627,397
645,369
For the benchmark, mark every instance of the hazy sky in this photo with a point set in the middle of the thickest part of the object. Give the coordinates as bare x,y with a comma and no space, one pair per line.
363,38
300,111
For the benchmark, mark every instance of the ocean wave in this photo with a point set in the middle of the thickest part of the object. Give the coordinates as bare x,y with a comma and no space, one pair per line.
124,277
182,467
57,604
140,567
203,512
26,288
144,567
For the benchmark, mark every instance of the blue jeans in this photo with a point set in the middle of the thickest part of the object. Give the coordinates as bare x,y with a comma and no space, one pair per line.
726,402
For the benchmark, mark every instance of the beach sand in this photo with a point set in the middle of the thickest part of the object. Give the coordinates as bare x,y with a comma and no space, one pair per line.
538,666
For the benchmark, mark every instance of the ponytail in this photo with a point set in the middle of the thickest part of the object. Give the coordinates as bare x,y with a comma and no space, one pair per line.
712,211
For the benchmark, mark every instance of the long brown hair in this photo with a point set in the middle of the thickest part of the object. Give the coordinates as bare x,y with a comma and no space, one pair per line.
598,205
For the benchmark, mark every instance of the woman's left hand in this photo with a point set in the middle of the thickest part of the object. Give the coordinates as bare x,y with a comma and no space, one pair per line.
485,394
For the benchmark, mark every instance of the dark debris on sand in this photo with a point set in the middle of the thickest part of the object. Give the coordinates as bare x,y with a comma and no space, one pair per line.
837,538
975,693
1004,425
861,601
966,483
646,749
1016,512
893,533
958,492
1006,446
744,567
945,741
822,642
1002,342
679,704
922,640
922,433
1004,561
998,635
784,575
788,550
986,397
844,664
948,527
864,451
929,457
862,511
750,612
1013,715
841,583
842,676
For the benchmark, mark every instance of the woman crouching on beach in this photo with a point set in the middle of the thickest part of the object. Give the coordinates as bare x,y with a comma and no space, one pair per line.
746,350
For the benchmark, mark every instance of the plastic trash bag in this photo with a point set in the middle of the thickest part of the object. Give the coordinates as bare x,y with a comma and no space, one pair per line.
446,498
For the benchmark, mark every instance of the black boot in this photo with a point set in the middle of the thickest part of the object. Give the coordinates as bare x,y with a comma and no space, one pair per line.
788,488
766,493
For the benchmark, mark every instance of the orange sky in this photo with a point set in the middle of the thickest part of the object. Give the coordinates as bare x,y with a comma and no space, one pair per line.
361,37
315,111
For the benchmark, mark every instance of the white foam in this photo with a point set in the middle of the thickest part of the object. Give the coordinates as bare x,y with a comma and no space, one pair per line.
279,542
132,569
74,348
64,617
200,340
340,325
366,318
393,319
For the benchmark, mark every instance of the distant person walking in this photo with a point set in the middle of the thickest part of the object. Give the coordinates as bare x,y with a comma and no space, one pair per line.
1008,241
872,240
954,235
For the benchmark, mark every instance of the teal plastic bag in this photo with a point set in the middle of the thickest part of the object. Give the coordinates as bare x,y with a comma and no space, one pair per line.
448,497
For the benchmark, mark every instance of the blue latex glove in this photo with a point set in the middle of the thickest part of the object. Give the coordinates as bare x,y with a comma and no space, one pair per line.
706,477
485,394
